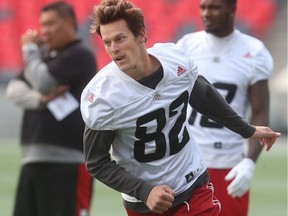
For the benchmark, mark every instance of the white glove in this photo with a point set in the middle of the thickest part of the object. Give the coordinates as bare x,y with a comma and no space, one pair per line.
242,174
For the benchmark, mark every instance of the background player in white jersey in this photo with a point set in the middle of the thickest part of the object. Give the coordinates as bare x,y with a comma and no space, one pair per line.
137,104
239,66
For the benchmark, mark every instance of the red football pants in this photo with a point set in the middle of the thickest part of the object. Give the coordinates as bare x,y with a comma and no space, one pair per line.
229,206
202,203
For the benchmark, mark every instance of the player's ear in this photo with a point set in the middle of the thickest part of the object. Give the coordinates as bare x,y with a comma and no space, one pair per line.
142,36
144,39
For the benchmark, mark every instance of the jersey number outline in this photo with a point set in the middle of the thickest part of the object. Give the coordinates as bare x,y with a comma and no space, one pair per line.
206,122
158,136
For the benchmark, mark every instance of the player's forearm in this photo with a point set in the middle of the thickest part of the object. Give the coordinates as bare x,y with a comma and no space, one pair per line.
209,102
21,94
100,166
36,72
254,146
259,99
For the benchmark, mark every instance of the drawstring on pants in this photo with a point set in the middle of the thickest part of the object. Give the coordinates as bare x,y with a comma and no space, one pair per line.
188,206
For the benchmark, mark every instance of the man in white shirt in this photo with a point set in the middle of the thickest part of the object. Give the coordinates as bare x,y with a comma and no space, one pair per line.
239,66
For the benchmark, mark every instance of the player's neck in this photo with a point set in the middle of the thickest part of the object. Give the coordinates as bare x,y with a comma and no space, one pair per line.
147,66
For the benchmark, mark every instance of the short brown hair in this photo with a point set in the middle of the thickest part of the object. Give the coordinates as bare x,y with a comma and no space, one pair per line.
112,10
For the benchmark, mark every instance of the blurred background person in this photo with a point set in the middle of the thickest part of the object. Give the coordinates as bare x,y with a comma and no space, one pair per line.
57,66
239,66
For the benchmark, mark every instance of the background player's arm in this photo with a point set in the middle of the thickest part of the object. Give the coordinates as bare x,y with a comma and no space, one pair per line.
242,173
259,100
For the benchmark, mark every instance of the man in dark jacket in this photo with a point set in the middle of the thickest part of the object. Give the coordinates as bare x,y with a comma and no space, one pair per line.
57,66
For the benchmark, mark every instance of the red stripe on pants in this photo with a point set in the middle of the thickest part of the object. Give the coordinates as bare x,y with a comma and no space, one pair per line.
83,191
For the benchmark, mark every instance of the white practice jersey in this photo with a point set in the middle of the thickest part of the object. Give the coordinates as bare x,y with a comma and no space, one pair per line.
150,124
231,64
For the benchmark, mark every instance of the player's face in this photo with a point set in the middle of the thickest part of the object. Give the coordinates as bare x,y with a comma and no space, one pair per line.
55,30
217,16
122,46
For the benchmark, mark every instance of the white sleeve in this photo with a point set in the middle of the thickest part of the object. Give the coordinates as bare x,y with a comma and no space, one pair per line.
96,111
263,65
21,94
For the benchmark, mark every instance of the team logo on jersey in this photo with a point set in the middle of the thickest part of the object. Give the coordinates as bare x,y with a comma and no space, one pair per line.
180,70
156,96
91,98
248,55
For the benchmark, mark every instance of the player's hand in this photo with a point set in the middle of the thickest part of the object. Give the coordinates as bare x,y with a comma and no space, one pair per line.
31,36
242,175
54,92
160,199
266,136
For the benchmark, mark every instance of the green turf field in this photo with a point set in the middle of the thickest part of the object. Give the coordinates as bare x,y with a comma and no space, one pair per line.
268,195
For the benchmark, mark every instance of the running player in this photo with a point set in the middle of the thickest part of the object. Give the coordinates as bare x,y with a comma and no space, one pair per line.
137,104
239,66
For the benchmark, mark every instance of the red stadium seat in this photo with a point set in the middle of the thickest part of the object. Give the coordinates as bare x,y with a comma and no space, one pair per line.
256,20
165,20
